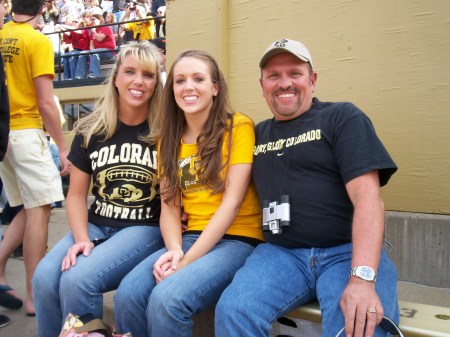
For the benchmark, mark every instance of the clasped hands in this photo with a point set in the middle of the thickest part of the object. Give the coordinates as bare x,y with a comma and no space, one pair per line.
168,264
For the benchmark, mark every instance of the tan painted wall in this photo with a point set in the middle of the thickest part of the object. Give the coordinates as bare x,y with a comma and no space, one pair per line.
391,58
79,94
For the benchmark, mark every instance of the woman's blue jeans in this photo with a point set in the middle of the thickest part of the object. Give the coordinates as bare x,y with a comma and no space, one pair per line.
80,289
276,280
94,62
146,309
70,64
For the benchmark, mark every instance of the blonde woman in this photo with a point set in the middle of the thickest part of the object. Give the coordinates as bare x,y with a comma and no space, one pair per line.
114,147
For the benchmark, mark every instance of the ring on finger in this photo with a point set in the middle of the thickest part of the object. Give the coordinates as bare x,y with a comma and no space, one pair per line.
372,310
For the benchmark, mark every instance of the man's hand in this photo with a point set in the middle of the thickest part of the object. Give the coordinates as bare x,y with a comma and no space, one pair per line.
361,307
65,163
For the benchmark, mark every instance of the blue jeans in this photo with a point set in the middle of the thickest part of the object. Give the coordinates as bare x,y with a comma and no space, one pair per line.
55,156
276,280
146,309
94,63
80,289
70,64
80,69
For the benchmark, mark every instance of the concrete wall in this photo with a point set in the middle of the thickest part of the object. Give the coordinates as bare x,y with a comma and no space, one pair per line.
391,58
420,247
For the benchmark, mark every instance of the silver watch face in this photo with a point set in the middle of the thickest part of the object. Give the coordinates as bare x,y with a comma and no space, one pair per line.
365,273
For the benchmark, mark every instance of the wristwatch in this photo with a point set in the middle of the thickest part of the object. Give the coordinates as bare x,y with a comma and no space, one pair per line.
364,273
96,242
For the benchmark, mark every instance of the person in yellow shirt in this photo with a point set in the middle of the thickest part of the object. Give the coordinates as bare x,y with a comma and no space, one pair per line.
205,162
29,176
142,30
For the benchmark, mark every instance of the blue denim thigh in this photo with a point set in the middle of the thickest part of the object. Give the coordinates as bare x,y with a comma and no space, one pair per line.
46,285
333,265
194,288
273,281
80,289
131,298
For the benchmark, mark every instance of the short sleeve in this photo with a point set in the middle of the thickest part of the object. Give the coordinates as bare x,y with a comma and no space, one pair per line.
243,140
79,156
358,150
43,58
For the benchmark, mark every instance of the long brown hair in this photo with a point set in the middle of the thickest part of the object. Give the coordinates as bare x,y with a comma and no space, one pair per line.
210,140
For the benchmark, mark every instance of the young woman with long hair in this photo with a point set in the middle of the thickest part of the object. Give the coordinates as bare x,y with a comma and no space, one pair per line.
206,155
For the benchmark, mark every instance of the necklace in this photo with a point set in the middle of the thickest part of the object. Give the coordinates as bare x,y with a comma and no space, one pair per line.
25,20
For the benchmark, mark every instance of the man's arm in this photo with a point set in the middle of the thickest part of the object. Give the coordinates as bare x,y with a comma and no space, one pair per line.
50,115
367,238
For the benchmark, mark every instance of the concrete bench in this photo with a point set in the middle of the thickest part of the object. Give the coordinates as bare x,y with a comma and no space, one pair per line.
416,320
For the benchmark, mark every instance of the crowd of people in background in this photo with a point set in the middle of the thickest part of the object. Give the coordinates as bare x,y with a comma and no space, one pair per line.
74,48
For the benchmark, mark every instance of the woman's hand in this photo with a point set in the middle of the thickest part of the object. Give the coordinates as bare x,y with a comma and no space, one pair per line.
82,247
167,264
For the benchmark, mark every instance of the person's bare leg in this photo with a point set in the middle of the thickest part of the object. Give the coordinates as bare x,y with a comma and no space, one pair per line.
34,246
12,239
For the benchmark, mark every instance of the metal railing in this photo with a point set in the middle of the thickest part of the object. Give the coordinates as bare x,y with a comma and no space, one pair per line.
60,55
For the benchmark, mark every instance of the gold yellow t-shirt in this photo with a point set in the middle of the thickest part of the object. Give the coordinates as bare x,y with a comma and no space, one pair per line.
27,54
198,201
142,30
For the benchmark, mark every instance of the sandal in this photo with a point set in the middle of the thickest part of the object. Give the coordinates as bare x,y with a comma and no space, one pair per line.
7,300
4,321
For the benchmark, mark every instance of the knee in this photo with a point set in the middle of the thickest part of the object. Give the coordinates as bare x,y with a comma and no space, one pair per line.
166,302
130,297
45,278
75,281
224,307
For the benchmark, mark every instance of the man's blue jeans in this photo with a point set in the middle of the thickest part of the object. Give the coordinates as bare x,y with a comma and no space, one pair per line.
80,289
276,280
146,309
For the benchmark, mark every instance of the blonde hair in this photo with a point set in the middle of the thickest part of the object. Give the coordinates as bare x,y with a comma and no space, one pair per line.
112,16
103,120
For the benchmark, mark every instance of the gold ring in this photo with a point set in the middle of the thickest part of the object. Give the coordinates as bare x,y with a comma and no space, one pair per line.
372,310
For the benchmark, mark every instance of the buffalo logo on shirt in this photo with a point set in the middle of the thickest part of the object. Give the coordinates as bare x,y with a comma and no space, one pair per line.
187,173
124,185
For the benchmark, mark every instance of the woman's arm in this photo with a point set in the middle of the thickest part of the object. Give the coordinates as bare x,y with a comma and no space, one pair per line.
170,221
77,215
171,229
236,184
99,36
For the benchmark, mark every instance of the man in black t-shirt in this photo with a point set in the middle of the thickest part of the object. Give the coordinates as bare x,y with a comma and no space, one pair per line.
318,168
